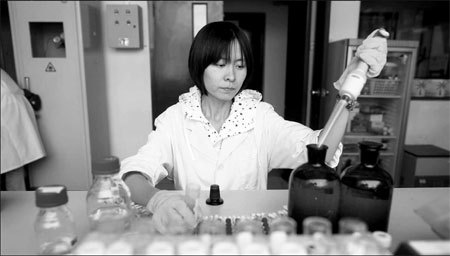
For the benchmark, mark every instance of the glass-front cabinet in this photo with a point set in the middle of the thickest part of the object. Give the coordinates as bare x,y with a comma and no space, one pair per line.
383,104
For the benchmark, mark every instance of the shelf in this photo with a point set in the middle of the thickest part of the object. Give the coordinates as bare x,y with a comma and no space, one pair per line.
429,98
380,96
357,154
369,135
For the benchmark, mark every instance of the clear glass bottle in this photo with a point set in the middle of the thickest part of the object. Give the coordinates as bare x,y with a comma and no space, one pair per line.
366,189
108,201
54,225
314,189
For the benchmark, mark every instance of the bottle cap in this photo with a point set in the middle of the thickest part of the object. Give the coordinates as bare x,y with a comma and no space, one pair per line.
316,154
385,239
214,195
370,145
51,196
106,165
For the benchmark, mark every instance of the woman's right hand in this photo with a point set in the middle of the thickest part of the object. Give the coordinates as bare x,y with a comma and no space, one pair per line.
171,215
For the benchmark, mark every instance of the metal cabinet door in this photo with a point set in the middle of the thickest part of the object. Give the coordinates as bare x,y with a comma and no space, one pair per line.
63,118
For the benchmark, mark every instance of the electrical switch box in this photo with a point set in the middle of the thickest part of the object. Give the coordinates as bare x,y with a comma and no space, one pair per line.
124,25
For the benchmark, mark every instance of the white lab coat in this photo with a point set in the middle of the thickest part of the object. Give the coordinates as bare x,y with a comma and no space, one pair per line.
21,142
253,141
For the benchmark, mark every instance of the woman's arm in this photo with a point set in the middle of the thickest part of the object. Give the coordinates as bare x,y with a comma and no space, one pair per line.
335,135
141,189
152,163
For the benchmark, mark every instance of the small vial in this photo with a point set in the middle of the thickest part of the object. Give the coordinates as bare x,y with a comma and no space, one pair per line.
212,227
383,238
160,247
350,225
252,226
244,238
224,248
285,224
292,248
191,247
313,225
255,248
364,245
277,239
90,248
119,247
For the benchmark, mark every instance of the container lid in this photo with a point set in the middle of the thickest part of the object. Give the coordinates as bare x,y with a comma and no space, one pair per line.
426,150
106,165
316,154
51,196
370,145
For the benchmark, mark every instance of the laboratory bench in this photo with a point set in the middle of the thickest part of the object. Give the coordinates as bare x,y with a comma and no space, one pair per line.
18,212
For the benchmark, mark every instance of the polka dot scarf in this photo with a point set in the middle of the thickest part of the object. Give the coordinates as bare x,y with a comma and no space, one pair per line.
240,120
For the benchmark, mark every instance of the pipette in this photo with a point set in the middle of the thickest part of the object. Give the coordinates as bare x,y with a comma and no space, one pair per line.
350,90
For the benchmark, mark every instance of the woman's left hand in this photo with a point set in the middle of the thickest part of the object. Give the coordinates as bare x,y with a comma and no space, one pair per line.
372,51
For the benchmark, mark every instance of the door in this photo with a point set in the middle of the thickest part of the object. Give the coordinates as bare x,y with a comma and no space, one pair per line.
47,51
319,94
254,24
173,35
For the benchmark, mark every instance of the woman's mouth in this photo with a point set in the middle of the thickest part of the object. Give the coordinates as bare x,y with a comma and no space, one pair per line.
227,89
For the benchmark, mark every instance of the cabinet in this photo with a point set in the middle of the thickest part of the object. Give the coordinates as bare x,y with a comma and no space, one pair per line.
383,103
57,47
425,166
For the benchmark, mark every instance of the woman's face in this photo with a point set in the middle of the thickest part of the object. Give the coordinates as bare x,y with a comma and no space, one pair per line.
224,79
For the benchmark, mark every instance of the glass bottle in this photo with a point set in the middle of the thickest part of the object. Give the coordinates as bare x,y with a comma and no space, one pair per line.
366,189
54,225
108,202
314,189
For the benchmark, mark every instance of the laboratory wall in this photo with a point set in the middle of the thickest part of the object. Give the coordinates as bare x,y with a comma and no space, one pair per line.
344,20
275,49
128,81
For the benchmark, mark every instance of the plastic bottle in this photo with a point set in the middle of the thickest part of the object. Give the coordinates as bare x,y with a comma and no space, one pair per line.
54,225
366,189
314,189
108,202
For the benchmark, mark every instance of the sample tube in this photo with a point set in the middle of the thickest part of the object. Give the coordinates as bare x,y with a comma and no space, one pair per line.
313,225
285,224
350,225
212,227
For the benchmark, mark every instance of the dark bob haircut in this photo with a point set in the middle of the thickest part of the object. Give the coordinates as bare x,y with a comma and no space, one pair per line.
212,43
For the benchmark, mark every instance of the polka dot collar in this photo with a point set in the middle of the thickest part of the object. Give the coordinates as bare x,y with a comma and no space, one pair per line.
240,120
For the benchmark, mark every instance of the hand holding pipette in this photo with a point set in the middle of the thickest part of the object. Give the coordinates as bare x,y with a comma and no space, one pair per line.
369,61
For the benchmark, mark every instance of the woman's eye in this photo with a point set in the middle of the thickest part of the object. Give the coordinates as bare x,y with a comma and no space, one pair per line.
241,66
221,63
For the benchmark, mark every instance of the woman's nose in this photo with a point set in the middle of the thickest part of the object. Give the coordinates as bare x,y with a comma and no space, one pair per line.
230,75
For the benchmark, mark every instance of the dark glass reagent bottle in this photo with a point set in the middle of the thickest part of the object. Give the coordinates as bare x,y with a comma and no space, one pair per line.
314,189
366,189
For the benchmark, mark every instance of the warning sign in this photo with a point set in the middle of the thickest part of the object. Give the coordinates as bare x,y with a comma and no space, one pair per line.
50,68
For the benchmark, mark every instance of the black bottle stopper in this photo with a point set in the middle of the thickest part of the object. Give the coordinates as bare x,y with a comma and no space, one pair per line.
214,195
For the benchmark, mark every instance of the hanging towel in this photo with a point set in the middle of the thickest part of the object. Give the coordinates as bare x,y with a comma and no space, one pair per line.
21,142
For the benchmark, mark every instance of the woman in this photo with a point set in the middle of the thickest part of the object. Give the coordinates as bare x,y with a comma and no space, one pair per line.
218,132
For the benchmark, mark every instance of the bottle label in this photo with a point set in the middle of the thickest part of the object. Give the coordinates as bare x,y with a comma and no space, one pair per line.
51,221
105,194
372,184
318,182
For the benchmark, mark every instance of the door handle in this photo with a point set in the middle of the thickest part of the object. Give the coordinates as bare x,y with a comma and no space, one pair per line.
320,92
34,99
